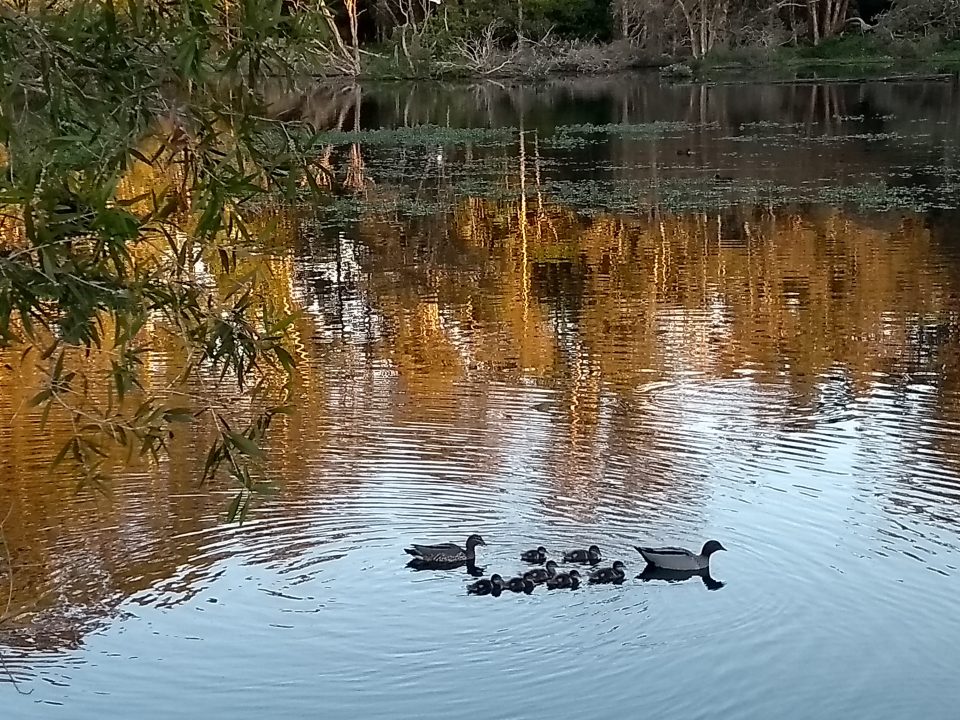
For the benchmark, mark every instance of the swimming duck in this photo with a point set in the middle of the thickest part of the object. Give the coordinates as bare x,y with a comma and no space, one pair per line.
494,586
538,556
591,555
564,580
519,584
675,558
611,575
541,575
685,151
722,178
447,552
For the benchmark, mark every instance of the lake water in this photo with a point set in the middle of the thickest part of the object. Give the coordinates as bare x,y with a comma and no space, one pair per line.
534,315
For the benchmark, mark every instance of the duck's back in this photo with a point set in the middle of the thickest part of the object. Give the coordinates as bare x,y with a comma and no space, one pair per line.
672,558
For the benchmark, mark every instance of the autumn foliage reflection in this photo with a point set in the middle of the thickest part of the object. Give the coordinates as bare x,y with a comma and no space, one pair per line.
417,319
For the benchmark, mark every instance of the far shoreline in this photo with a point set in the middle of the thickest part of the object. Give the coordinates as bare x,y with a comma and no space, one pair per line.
843,59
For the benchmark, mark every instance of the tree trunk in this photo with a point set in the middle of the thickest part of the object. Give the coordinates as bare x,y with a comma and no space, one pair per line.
827,18
692,28
354,35
704,33
814,7
838,16
706,22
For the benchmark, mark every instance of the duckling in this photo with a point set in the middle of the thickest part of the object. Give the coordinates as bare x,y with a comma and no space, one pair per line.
611,575
591,555
685,151
540,575
519,584
722,178
494,586
564,580
538,556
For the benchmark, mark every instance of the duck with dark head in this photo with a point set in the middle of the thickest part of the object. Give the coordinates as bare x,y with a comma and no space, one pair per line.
678,558
444,553
519,584
541,575
590,556
538,556
494,586
609,576
569,580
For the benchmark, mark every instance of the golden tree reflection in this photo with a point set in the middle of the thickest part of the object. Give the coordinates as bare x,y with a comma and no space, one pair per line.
417,322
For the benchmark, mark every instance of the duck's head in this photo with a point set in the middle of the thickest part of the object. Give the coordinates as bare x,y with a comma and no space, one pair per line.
496,580
574,575
710,547
474,540
551,567
619,566
542,550
594,550
528,585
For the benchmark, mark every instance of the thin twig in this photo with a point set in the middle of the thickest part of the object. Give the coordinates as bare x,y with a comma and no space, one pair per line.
5,615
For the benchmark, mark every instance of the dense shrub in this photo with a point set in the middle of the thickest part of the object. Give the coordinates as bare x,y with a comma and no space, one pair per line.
533,19
939,19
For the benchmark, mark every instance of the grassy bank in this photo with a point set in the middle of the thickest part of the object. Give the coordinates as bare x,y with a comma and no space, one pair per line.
849,56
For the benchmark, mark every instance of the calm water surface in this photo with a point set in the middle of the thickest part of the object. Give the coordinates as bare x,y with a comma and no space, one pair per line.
561,332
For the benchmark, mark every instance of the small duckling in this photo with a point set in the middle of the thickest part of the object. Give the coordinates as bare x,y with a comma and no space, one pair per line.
722,178
685,151
591,555
611,575
564,580
494,586
538,556
540,575
519,584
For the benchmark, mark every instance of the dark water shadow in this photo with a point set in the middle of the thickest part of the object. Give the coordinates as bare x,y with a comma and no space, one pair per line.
655,573
471,567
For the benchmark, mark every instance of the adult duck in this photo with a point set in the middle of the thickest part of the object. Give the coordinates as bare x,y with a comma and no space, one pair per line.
676,558
611,575
447,552
541,575
493,586
560,581
538,556
589,556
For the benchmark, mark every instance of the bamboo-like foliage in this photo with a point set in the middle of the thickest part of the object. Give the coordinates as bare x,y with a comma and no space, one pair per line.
90,269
